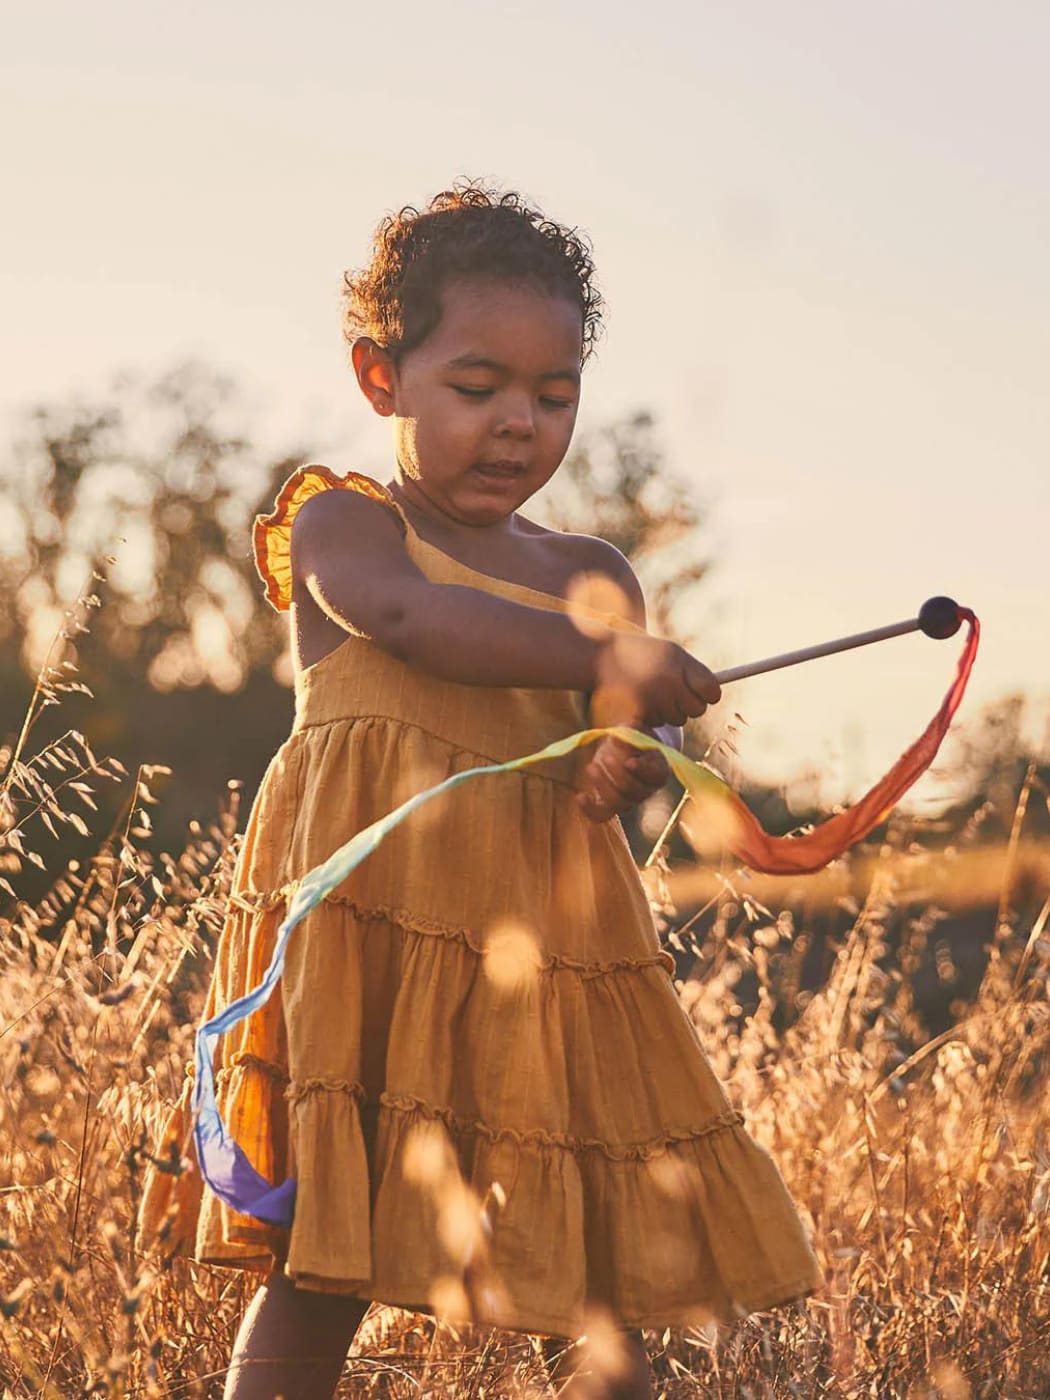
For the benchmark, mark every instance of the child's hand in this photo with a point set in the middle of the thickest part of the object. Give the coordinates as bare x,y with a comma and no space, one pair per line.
618,777
642,680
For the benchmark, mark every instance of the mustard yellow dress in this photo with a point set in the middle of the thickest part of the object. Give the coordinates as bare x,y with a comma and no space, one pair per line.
481,1013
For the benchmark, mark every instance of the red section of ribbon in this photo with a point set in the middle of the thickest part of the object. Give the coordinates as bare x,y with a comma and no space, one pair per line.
799,855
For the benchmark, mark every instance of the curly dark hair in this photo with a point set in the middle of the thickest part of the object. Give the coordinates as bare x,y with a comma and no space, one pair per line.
470,230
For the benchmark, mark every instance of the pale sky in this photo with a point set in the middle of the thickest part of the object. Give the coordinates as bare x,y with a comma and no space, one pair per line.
822,230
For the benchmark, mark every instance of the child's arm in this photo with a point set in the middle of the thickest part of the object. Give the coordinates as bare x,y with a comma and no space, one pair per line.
618,567
348,552
616,777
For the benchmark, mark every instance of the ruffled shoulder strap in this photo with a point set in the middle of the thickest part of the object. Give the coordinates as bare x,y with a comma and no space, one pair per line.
272,534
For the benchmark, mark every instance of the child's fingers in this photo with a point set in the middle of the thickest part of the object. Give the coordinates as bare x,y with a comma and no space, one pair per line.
598,800
647,764
651,767
615,784
596,811
622,765
617,777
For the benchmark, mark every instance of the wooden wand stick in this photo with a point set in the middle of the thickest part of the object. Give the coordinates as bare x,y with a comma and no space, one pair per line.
938,617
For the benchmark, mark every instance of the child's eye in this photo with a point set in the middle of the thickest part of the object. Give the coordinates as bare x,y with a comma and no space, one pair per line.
471,393
557,403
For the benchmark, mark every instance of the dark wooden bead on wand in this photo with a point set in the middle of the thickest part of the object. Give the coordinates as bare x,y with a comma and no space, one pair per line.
939,617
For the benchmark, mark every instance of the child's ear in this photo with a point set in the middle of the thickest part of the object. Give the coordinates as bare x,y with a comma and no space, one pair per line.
376,374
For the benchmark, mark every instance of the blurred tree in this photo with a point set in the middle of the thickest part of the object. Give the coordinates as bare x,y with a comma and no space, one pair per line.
155,469
183,656
615,482
995,762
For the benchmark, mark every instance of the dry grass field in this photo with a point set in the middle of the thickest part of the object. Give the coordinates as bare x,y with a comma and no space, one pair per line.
921,1162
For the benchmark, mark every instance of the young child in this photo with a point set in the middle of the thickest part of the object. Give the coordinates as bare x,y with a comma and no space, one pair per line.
480,1023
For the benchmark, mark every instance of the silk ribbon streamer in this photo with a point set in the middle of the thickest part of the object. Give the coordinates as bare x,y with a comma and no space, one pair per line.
224,1165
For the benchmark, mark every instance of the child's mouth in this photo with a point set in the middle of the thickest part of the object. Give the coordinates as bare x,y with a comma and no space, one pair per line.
499,471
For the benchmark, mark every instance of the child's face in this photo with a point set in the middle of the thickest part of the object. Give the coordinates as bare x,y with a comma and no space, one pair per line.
496,382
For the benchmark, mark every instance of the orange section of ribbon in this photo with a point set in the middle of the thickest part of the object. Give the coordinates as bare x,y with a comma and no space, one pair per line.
741,831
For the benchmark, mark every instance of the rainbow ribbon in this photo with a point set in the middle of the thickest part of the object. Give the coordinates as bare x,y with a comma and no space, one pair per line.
224,1165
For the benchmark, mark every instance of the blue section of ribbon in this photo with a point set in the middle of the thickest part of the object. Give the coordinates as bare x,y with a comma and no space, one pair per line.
223,1164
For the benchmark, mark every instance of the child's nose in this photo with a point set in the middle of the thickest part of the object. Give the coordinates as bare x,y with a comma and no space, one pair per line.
517,416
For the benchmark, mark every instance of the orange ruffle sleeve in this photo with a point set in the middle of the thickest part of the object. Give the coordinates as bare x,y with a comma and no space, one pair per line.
272,534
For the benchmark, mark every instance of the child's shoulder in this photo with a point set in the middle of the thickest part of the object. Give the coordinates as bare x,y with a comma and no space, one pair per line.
589,556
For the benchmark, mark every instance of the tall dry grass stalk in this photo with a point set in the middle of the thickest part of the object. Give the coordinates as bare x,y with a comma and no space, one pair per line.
922,1166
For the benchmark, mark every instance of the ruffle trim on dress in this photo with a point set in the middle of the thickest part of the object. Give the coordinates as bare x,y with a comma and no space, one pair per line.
541,1138
474,757
246,1059
296,1091
253,901
300,1089
272,534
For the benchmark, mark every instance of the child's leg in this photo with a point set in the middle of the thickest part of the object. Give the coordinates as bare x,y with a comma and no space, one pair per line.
579,1373
292,1342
